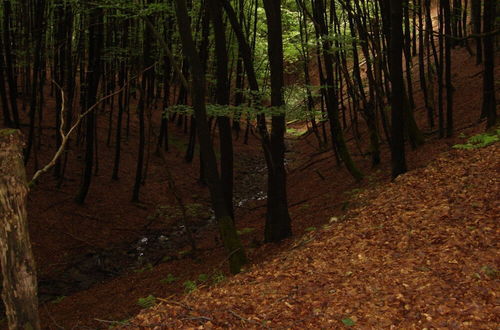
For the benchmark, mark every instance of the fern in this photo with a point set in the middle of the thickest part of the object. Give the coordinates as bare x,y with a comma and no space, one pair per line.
480,141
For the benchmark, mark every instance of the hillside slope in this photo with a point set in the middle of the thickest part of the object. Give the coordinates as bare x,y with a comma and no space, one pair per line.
421,252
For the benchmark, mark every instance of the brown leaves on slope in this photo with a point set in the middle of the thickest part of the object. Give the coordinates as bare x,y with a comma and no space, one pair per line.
421,253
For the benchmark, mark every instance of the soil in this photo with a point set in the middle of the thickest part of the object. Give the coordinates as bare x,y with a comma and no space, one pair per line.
95,261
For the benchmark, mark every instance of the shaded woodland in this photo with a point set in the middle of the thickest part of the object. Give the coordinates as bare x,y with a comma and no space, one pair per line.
176,133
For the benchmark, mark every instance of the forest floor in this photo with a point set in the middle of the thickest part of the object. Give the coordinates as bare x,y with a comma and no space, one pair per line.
97,260
419,253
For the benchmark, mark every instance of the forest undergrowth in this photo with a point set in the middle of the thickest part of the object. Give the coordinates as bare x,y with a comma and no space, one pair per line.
352,241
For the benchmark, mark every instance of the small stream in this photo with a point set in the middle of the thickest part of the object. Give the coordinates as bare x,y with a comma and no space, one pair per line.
153,247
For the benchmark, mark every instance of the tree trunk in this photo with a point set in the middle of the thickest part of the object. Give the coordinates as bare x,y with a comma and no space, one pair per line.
447,65
222,91
92,83
489,101
397,88
232,243
338,141
476,28
18,265
278,222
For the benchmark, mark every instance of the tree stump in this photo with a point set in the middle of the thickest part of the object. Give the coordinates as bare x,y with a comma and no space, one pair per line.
18,265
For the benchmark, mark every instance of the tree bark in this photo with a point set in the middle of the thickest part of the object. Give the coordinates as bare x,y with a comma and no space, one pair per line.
232,243
278,222
223,95
489,100
397,88
18,265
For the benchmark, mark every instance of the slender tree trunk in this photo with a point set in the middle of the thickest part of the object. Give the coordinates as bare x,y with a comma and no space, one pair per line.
122,76
7,120
232,243
278,221
489,100
37,67
222,95
476,28
92,83
447,63
337,136
11,79
397,88
142,141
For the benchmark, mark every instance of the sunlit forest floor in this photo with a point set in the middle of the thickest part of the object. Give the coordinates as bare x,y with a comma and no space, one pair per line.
382,244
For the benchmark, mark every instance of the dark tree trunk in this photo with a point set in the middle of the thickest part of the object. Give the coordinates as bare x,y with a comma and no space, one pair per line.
234,248
142,141
222,95
489,100
447,64
337,136
421,64
7,120
398,158
92,78
37,67
440,70
11,79
122,76
476,28
278,222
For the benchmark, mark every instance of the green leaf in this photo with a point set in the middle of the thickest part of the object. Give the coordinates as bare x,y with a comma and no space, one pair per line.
245,231
203,278
348,322
189,286
147,301
169,279
58,299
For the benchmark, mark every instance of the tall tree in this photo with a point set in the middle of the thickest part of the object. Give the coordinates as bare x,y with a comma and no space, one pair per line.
489,109
445,4
222,96
92,78
232,243
395,12
329,83
278,221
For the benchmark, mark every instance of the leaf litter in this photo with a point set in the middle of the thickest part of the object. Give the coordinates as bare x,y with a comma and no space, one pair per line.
421,252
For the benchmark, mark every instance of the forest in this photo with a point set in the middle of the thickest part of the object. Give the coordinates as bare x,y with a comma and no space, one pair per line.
210,164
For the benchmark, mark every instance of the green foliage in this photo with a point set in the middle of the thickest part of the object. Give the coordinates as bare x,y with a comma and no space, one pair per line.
490,272
119,323
183,253
348,322
245,231
202,278
480,141
147,301
148,267
309,229
216,110
190,286
58,299
169,279
218,278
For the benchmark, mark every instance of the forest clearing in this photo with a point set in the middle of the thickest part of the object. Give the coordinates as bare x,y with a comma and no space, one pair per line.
297,164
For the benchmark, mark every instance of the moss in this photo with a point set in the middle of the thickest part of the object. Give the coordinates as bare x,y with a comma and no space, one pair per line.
7,131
